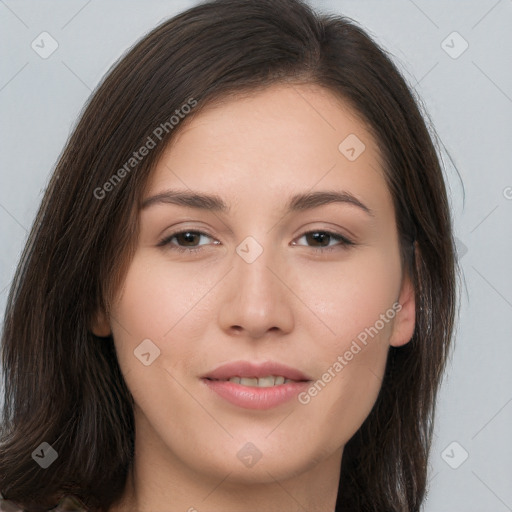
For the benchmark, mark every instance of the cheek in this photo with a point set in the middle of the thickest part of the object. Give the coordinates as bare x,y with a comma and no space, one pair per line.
155,303
162,304
355,303
349,298
157,296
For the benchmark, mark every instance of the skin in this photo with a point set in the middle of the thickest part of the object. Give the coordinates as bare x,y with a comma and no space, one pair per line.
293,304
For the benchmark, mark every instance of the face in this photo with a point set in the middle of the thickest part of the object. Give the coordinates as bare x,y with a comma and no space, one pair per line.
283,281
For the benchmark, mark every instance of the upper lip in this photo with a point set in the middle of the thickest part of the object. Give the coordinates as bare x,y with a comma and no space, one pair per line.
255,370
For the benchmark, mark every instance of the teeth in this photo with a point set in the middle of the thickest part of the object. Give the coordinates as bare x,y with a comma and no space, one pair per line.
248,382
266,382
262,382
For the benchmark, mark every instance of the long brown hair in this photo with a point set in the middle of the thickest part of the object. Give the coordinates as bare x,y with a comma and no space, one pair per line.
63,385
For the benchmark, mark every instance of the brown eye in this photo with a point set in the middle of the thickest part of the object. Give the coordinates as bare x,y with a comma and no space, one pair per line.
322,240
186,241
188,238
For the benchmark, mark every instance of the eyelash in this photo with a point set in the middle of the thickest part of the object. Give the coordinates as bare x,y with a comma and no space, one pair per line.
344,241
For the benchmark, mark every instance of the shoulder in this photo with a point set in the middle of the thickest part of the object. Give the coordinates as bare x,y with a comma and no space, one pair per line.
8,506
66,504
71,504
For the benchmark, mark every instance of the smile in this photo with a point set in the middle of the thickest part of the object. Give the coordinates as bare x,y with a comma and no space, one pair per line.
259,382
258,386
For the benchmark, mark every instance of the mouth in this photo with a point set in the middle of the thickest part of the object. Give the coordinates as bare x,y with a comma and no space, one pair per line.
259,382
265,374
256,386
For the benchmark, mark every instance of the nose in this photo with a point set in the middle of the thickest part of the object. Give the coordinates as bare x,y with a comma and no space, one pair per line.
257,299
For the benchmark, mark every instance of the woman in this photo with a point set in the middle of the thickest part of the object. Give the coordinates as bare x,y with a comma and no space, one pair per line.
238,293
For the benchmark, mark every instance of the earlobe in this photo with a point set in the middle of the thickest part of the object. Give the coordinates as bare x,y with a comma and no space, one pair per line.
100,326
405,320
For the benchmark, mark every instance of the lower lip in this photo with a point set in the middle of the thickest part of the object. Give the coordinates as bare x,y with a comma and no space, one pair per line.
250,397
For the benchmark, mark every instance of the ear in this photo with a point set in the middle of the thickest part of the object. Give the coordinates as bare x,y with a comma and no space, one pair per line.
405,319
100,325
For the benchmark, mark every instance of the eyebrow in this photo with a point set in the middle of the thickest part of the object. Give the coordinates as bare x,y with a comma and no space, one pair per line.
212,202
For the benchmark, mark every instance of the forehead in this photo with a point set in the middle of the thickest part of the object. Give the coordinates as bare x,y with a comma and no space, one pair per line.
281,140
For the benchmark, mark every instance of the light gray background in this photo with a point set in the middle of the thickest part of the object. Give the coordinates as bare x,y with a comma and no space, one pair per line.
469,99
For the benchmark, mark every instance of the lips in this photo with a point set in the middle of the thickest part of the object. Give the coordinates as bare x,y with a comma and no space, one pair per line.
259,373
256,386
